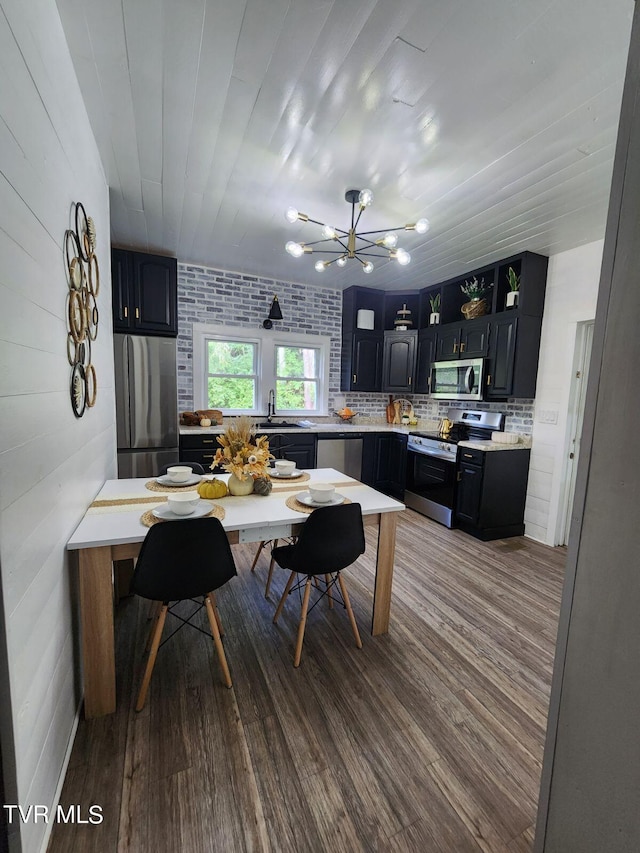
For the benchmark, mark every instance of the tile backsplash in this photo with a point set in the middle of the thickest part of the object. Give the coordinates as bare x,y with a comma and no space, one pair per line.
219,297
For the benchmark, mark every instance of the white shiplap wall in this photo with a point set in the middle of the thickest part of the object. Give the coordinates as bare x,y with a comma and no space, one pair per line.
572,289
51,464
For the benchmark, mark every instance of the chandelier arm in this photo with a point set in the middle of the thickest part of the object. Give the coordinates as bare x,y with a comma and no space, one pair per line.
369,243
325,240
383,230
360,212
370,255
331,252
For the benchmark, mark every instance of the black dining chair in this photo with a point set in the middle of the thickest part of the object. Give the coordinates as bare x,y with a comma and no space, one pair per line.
331,539
182,560
195,466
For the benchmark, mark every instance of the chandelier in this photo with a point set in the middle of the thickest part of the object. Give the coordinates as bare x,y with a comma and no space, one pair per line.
353,244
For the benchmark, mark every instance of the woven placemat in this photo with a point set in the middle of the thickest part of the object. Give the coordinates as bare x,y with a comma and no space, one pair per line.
305,478
149,519
293,503
154,486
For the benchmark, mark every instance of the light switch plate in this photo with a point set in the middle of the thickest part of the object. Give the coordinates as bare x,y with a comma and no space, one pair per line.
547,416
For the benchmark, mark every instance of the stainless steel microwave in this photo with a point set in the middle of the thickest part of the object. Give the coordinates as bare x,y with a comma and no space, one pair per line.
457,380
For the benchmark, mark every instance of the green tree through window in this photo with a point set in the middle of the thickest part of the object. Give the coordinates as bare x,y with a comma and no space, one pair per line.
231,374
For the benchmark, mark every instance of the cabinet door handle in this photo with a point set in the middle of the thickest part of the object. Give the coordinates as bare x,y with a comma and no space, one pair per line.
126,312
489,379
208,455
137,313
355,378
462,346
410,380
207,441
455,346
468,455
459,476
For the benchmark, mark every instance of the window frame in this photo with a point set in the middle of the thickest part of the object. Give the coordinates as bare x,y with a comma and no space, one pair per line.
266,341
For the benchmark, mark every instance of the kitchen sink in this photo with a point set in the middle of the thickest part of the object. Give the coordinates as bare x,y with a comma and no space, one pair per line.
278,425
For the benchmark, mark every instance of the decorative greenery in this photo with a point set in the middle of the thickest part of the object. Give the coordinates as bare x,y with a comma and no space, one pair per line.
241,453
475,289
513,279
434,301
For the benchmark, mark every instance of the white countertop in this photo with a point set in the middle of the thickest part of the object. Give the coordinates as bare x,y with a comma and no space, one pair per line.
121,525
319,427
523,444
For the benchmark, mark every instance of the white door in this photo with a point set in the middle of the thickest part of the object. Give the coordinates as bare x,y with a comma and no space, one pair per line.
584,339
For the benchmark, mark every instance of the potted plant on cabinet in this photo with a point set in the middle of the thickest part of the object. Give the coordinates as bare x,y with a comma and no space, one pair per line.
475,291
434,302
514,288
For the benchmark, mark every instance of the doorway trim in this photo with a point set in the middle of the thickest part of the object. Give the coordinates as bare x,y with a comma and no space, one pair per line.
575,415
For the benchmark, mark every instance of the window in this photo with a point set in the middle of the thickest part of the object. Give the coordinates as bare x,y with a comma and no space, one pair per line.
232,376
296,378
235,368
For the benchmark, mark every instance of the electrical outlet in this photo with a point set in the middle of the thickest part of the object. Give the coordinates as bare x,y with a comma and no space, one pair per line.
547,416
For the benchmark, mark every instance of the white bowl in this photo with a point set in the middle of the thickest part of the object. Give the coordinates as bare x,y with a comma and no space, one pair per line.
284,466
322,493
505,437
179,473
183,503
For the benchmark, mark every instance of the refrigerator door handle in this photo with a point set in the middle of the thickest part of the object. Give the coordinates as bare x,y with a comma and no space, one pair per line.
121,364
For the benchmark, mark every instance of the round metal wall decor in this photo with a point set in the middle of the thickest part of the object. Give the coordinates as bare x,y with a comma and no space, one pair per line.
83,279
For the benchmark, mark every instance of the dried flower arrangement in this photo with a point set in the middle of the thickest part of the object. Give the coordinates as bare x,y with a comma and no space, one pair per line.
241,452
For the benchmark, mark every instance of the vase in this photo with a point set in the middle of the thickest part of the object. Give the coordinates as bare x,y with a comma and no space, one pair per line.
240,487
434,318
474,308
512,298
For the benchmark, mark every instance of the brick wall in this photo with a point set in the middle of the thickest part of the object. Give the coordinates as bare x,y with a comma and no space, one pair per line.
220,298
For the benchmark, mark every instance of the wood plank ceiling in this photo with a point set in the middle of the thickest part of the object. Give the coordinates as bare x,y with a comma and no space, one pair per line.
496,121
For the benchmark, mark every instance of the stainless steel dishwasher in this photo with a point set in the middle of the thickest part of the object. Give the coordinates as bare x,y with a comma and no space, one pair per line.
342,451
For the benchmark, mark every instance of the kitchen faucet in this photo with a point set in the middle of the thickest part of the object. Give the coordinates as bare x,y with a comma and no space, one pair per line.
271,405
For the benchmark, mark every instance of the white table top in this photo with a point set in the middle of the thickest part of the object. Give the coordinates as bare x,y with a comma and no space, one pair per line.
100,527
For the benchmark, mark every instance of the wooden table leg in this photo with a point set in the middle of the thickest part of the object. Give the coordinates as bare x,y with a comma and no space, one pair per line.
384,572
96,618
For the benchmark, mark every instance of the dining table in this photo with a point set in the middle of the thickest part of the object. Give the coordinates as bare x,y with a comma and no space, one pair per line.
116,523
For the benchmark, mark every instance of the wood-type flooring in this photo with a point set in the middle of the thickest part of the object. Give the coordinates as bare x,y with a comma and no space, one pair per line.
428,739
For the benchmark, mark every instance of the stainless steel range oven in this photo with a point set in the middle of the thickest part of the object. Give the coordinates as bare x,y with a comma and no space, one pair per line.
432,462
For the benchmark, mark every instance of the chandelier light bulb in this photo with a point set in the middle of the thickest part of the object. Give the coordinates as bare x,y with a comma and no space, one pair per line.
328,232
390,240
320,266
291,214
403,257
365,198
294,249
367,268
342,261
422,226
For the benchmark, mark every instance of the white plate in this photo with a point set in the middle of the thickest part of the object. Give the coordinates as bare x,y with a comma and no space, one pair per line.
293,476
165,480
166,514
306,499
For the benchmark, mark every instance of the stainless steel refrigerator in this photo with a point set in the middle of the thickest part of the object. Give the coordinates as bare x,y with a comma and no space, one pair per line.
146,404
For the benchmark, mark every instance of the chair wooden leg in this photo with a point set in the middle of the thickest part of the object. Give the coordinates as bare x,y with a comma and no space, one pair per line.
272,563
155,645
303,622
154,613
258,552
327,580
352,618
214,602
276,615
213,622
